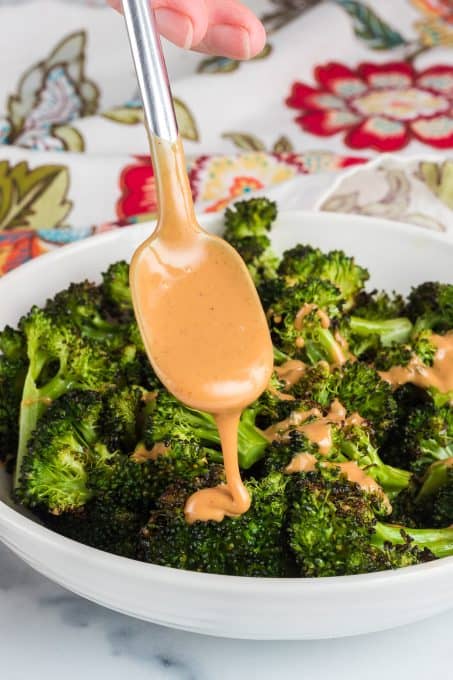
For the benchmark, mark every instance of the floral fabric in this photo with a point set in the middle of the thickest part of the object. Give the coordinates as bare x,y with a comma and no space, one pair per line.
338,83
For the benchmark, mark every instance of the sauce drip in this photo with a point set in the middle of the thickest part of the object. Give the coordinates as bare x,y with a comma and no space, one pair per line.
291,372
306,309
306,462
202,324
142,454
439,375
214,504
318,430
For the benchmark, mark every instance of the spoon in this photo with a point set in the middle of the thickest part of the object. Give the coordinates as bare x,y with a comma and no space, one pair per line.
197,308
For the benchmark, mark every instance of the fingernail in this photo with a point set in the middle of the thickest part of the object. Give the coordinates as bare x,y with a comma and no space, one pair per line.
230,41
175,26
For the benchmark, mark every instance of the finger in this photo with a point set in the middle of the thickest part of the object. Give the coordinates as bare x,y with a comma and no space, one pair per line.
233,31
183,22
221,27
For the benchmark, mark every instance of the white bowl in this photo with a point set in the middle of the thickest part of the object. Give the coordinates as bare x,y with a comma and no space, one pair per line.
256,608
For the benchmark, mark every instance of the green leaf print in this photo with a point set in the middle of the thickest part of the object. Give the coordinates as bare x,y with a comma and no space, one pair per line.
370,27
32,199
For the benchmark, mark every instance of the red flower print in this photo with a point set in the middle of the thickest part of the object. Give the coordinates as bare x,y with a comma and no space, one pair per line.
138,189
378,106
18,247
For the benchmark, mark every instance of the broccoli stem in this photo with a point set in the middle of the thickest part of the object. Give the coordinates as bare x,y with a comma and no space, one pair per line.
251,441
279,356
390,330
392,479
436,477
33,406
325,347
30,411
438,541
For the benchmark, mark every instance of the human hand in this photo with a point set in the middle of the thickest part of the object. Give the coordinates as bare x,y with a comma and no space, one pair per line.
221,27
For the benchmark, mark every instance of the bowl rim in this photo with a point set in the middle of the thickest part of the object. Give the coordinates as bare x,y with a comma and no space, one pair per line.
199,580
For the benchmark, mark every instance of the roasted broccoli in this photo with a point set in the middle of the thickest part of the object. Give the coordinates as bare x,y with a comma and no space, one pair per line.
430,306
13,368
358,387
107,457
301,318
59,359
247,226
333,529
116,291
171,420
250,545
304,263
62,453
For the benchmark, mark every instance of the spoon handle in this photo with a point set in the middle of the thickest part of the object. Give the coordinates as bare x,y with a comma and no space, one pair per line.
151,70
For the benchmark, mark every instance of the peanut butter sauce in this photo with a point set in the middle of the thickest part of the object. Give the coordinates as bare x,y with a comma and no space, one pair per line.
291,372
318,430
306,309
142,454
439,375
306,462
202,324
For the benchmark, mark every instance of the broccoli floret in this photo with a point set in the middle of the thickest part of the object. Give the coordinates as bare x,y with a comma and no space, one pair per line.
13,368
123,493
270,290
442,502
361,389
80,306
171,420
426,436
59,360
121,418
12,344
332,528
116,291
379,305
247,225
356,443
137,481
349,442
12,376
303,263
250,218
272,406
358,387
112,529
370,334
430,306
301,318
62,453
133,363
280,453
250,545
419,347
376,321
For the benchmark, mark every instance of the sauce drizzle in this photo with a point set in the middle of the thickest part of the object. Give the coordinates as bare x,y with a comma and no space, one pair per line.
306,462
318,430
439,375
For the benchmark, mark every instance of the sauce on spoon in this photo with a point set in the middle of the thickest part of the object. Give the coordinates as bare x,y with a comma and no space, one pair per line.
202,323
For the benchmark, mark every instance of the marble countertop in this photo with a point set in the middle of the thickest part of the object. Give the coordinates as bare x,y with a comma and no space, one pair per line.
49,634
